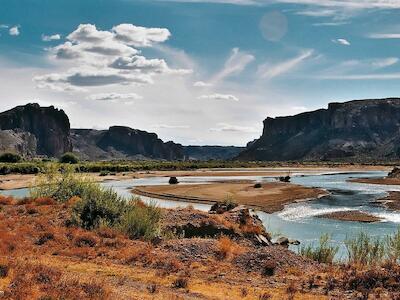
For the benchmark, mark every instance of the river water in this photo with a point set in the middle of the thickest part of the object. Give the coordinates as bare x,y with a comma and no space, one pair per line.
300,220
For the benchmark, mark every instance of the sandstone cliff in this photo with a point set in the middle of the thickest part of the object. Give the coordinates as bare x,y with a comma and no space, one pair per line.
36,130
356,130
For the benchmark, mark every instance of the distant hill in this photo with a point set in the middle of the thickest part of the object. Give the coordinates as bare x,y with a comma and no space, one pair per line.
359,130
32,130
120,142
212,152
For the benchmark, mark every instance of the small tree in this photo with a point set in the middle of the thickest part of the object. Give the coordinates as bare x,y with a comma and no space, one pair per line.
69,158
10,157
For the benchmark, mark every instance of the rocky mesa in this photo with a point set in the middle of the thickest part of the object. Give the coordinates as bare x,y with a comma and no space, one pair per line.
359,130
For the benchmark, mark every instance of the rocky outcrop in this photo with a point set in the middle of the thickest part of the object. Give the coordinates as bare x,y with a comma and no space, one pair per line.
32,129
212,152
120,142
18,141
361,130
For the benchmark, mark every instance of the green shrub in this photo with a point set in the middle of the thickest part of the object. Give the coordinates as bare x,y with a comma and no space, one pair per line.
392,244
10,157
364,250
141,221
61,186
97,207
69,158
324,252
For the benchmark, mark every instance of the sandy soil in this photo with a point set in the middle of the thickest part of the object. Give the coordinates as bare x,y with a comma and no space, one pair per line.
271,197
355,216
16,181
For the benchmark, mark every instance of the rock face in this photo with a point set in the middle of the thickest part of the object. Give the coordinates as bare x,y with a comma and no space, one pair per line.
35,130
212,152
361,130
18,141
120,142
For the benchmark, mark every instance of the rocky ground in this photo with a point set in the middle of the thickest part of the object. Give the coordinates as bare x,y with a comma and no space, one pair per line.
354,216
218,255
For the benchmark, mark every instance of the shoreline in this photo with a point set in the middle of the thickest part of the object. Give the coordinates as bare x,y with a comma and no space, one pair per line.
19,181
391,201
378,181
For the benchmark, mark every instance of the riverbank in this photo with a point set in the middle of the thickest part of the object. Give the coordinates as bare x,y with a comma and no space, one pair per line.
351,216
18,181
270,197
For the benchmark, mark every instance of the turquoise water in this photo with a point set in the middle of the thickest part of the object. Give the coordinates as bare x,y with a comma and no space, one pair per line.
297,221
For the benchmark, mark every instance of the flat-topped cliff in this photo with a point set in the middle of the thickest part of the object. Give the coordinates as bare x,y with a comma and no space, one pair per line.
359,129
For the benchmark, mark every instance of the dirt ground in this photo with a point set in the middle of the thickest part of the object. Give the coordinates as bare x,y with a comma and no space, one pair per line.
271,197
355,216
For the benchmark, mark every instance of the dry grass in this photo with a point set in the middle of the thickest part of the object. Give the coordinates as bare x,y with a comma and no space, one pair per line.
228,249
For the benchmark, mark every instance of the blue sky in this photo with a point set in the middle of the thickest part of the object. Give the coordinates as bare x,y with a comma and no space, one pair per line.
196,72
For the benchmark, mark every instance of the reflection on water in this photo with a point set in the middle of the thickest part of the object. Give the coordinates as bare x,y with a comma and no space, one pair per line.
298,221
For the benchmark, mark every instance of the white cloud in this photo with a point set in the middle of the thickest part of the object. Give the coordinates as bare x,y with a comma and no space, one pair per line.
317,13
14,31
381,76
113,97
140,36
384,36
235,64
219,97
384,62
49,38
224,127
100,58
268,71
342,42
201,84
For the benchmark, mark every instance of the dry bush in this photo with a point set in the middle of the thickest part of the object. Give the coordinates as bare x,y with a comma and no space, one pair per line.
86,239
3,270
180,283
140,253
7,200
44,201
8,242
228,248
37,281
44,238
167,264
250,229
107,232
265,296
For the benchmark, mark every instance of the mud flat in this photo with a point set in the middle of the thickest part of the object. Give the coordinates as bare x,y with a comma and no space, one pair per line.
353,216
271,197
392,201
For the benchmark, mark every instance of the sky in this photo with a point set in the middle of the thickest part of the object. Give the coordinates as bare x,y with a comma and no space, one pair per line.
196,72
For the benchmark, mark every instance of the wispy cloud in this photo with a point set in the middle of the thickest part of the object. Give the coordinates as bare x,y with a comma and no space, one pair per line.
168,126
219,97
225,127
113,97
384,36
235,64
268,71
341,42
381,76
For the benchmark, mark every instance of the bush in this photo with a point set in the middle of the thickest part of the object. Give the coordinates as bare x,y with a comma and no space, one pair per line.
97,207
69,158
323,253
364,250
141,220
257,185
10,157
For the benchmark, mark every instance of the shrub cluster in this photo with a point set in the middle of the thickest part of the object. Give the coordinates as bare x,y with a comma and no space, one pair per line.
10,157
95,206
324,252
69,158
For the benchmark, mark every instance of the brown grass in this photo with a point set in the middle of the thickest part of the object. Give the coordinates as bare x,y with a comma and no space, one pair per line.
228,249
